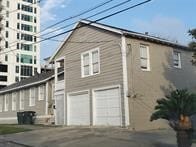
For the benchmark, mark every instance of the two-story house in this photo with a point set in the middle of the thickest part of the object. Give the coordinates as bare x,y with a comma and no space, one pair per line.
108,76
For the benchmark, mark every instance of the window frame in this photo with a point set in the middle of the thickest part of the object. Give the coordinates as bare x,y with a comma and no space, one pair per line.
14,96
42,92
90,54
22,96
179,59
147,59
6,102
32,96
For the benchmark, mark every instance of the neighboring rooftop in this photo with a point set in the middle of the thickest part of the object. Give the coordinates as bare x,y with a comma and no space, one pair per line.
34,80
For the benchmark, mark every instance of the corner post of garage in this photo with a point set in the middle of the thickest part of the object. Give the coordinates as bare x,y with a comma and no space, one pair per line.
125,79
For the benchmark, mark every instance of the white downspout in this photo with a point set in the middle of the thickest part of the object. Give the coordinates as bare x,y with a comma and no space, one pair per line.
125,79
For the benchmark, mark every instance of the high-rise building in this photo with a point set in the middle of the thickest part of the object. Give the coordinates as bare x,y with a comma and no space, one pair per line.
19,50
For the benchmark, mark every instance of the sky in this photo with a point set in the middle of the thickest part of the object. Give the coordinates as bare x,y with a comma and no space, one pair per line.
169,19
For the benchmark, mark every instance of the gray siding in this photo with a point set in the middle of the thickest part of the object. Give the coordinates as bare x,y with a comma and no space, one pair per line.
148,86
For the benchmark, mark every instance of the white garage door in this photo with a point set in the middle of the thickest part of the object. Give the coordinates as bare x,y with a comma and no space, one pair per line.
79,109
107,107
60,109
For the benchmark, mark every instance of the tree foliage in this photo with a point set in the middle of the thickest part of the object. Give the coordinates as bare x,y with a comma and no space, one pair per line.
179,103
192,44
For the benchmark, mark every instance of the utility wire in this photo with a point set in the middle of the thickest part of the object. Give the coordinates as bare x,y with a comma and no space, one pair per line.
100,12
91,22
66,19
77,15
78,27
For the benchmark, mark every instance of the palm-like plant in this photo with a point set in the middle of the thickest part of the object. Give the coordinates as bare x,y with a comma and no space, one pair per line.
177,108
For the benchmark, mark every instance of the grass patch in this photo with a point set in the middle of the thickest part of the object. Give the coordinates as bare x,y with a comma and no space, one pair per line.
11,129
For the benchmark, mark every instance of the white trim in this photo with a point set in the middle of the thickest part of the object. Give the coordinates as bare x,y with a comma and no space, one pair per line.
64,107
60,58
102,27
68,97
89,52
53,91
94,104
125,79
46,109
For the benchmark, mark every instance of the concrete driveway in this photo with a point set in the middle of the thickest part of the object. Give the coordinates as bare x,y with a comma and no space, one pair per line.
90,137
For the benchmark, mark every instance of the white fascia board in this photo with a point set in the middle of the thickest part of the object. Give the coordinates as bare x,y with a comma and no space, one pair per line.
102,27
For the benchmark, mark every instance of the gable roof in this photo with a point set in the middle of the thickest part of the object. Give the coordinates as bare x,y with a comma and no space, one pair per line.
124,32
31,81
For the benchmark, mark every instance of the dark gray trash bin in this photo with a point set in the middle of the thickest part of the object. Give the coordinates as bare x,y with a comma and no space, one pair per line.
29,117
20,117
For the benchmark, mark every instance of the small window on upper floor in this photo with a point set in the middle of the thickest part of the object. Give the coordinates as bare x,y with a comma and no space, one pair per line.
90,62
144,58
177,59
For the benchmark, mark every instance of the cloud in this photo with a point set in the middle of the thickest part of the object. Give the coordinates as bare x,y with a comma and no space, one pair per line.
165,27
48,7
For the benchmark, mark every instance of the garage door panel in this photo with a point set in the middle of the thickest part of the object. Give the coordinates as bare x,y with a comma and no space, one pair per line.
101,112
102,121
114,112
113,102
107,107
113,120
79,109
